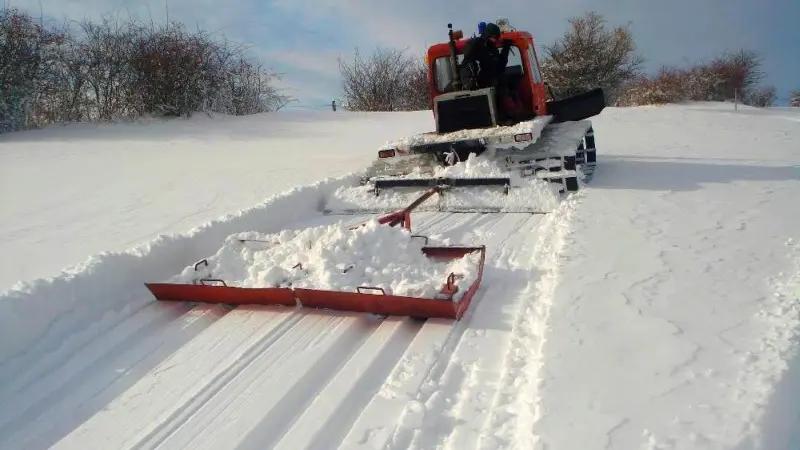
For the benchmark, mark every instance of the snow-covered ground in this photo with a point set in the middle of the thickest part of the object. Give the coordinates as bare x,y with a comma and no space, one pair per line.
70,192
656,309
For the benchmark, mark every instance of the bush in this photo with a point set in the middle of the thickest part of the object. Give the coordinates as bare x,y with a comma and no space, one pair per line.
762,97
794,98
590,56
724,78
389,80
110,70
27,50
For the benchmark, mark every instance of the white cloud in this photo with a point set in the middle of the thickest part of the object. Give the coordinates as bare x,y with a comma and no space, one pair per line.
319,62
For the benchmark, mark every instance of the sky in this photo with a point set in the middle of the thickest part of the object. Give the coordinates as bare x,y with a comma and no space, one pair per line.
303,39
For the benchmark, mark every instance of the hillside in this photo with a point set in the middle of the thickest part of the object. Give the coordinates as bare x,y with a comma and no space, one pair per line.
659,308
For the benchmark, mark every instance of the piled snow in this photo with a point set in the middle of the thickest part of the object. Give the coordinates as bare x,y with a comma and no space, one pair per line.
536,196
527,194
475,166
335,257
534,127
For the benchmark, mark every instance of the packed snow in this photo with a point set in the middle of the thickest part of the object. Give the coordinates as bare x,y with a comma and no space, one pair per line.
534,196
525,194
335,257
533,127
658,308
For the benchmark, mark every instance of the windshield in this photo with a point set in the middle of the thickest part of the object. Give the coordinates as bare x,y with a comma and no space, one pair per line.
444,79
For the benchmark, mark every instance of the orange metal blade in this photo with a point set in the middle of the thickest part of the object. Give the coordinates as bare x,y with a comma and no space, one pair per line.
222,294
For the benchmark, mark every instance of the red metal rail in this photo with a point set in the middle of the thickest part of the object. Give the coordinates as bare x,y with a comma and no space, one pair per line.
366,299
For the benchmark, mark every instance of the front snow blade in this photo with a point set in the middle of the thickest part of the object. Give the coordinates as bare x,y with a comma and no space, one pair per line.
461,195
577,107
439,182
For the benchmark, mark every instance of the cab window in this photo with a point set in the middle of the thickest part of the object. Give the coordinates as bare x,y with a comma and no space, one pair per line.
537,76
442,73
444,80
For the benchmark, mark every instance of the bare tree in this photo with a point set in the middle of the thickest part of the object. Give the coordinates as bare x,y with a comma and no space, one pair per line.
111,70
589,56
794,98
762,97
388,80
104,51
735,74
417,87
25,55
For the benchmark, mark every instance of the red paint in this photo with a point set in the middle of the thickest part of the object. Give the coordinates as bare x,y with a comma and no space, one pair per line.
532,93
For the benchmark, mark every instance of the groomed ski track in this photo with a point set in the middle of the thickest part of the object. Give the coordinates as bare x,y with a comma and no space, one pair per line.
200,376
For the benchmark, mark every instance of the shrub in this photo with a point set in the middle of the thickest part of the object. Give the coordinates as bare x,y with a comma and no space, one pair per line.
588,56
388,80
110,70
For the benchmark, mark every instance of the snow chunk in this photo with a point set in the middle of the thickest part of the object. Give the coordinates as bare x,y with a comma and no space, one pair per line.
527,194
476,166
334,257
535,127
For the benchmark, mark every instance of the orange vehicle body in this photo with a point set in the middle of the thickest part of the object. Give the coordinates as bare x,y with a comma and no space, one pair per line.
530,87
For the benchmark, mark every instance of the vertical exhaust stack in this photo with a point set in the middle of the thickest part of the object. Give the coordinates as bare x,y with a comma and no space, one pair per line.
457,85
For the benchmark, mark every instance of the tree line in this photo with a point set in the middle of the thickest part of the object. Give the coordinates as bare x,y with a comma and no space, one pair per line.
588,55
111,70
117,70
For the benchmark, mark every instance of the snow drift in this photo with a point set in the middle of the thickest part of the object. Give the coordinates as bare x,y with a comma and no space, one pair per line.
336,257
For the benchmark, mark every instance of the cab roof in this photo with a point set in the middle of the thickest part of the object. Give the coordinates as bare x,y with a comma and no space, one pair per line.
443,48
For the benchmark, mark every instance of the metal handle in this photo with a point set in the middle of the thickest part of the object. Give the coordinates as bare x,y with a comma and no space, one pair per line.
202,261
360,289
451,281
212,280
420,236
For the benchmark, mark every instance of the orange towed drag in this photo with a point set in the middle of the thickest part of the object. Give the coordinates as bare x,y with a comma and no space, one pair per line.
451,301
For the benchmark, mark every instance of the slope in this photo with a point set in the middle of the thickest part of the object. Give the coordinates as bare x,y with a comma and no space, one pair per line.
677,325
624,319
85,189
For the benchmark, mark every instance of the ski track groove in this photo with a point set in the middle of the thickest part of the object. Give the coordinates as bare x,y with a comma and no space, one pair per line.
478,379
177,380
300,395
17,377
518,343
379,356
433,394
181,414
135,343
367,352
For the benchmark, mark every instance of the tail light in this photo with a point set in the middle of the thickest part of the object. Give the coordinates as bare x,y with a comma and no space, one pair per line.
386,153
523,137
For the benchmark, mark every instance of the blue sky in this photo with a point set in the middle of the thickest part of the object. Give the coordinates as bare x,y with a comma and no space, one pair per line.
302,39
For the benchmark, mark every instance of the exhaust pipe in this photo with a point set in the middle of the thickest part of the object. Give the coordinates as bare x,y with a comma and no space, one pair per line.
457,85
